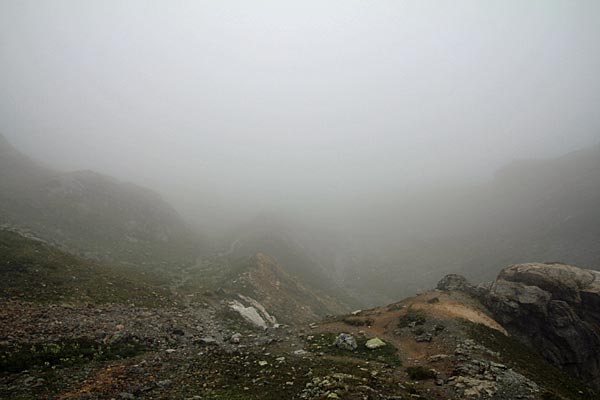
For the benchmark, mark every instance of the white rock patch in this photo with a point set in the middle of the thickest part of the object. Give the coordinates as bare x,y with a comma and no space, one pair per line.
268,317
253,312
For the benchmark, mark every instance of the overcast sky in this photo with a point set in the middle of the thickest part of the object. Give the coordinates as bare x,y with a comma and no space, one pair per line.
242,105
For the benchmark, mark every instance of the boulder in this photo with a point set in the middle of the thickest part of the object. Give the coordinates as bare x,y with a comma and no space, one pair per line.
235,338
453,282
345,341
563,281
513,300
374,343
553,308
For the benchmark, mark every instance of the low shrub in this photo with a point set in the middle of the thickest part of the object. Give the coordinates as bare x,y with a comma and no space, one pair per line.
420,373
412,316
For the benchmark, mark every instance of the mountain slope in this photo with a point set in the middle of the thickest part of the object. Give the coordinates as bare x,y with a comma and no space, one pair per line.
451,347
91,214
32,270
263,279
100,218
446,344
533,210
303,255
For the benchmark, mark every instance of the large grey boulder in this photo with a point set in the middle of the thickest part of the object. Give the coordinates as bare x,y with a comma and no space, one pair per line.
513,300
553,308
565,282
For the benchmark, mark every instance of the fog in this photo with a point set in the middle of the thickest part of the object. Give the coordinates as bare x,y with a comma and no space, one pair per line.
313,110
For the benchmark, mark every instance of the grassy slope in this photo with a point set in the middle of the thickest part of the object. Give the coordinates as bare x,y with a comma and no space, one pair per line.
34,271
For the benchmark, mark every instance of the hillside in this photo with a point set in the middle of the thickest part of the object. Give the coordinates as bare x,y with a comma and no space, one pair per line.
78,328
90,214
445,344
301,253
32,270
401,241
531,334
263,279
260,285
533,210
120,224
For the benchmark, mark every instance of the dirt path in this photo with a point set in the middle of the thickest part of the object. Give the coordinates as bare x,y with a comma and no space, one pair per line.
440,305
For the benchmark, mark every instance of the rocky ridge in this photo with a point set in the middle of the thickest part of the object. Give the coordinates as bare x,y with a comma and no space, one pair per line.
551,307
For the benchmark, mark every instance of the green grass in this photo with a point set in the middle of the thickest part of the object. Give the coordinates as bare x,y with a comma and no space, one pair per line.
416,316
35,271
386,354
19,357
231,376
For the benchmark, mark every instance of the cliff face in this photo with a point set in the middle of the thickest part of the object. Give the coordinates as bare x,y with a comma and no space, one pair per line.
554,308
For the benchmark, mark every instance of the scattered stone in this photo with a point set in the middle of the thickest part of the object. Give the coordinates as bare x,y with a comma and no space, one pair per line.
426,337
235,338
208,341
476,379
437,358
178,332
29,380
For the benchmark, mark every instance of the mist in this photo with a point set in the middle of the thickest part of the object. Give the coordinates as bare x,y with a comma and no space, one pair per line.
316,111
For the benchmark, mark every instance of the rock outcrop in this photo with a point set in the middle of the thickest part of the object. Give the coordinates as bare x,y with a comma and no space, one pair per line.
458,282
555,308
454,282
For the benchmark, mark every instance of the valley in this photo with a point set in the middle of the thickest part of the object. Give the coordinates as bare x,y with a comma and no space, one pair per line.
441,344
299,200
106,293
